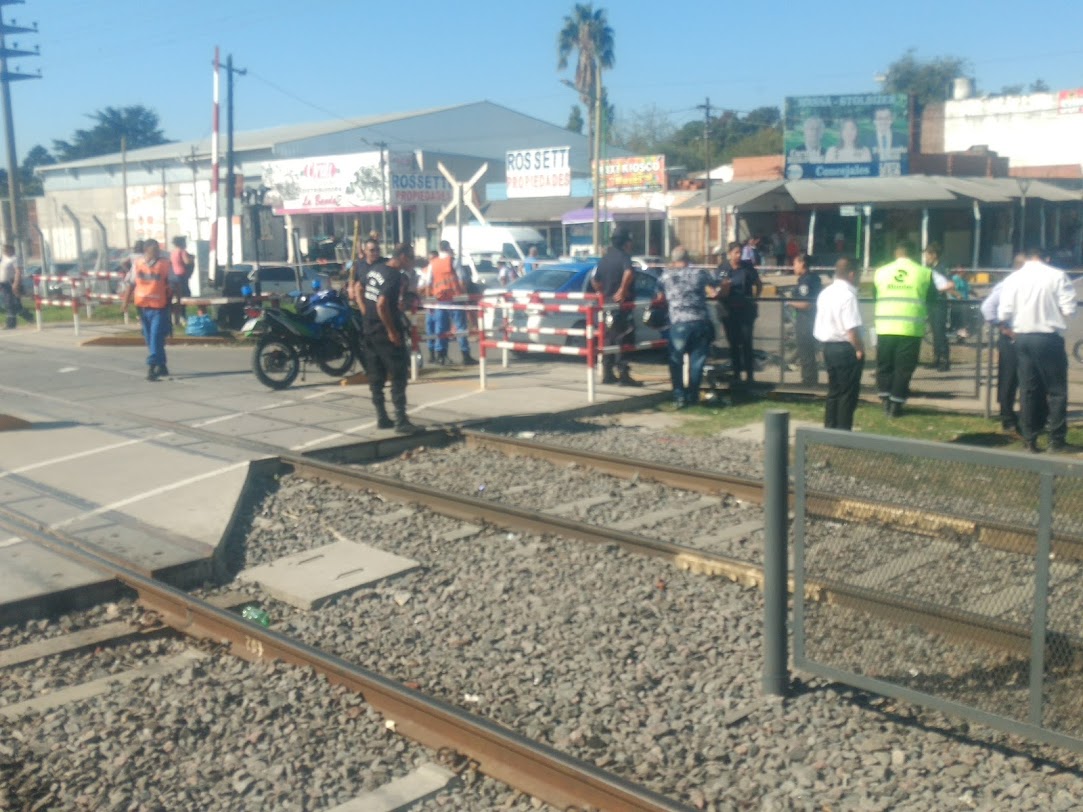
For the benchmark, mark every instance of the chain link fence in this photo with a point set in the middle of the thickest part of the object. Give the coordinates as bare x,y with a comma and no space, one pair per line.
946,576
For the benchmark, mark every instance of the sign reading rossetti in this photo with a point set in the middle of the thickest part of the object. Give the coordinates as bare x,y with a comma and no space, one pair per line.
542,172
847,136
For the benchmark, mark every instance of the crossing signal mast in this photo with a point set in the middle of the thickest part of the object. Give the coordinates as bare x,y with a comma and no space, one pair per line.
13,228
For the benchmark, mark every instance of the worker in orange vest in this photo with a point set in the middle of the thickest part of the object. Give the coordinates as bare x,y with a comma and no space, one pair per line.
444,284
152,295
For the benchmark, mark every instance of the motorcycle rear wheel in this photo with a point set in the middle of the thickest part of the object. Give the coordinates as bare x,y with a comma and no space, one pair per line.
339,365
275,362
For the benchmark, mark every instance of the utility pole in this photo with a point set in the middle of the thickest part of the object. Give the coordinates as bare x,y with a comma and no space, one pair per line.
231,181
14,231
706,108
383,193
597,149
124,180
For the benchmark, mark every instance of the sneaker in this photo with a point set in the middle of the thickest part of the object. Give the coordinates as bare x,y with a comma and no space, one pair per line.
385,423
163,371
152,373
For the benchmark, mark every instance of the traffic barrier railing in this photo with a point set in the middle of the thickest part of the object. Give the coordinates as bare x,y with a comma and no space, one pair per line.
44,297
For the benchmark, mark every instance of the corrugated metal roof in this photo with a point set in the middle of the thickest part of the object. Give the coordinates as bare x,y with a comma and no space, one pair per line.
532,210
242,141
981,189
741,194
836,191
481,129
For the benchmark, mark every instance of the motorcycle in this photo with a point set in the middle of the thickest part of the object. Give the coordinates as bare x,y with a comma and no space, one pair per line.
323,330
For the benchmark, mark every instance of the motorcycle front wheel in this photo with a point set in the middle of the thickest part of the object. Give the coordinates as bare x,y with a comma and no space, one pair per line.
275,362
337,354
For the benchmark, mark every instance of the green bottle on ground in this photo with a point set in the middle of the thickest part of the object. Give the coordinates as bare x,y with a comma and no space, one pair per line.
254,614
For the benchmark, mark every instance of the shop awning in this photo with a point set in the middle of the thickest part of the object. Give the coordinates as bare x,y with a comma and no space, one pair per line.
586,215
532,210
741,194
839,191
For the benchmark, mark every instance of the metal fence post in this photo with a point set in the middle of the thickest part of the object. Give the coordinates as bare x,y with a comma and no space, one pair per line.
776,677
1041,598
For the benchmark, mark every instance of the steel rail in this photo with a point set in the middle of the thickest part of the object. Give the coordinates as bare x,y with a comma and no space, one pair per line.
531,767
1014,637
992,533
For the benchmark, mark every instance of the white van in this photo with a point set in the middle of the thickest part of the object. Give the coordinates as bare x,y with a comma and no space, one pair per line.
484,246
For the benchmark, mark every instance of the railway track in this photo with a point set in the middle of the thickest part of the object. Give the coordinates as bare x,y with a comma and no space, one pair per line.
541,771
529,766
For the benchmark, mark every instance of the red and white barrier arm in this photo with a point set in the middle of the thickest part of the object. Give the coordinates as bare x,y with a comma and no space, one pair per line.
549,349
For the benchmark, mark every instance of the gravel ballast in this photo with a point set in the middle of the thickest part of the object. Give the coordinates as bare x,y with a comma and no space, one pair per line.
623,661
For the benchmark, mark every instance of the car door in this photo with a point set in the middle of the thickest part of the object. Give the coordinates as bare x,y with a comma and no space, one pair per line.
645,288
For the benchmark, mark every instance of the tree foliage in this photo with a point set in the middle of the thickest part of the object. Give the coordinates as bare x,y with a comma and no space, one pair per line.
31,183
929,81
729,135
575,120
586,31
137,124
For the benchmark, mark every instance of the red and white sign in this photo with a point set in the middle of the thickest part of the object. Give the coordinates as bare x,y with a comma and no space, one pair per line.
1070,101
350,183
544,172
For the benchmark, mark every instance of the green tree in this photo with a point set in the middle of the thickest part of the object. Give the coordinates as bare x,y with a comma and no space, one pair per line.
587,33
31,183
1039,86
645,131
929,81
139,125
575,120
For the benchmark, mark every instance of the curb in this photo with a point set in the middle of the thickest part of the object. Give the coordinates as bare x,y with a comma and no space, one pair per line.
137,341
9,423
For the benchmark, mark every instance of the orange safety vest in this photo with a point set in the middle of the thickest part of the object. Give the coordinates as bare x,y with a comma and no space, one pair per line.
152,283
444,283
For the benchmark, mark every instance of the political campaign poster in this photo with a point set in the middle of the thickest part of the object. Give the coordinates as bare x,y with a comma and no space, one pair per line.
847,136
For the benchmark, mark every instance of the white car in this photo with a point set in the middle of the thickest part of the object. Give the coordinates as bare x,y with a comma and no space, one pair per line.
281,280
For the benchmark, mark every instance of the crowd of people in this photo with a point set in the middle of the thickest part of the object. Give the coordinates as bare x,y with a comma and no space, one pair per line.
1029,308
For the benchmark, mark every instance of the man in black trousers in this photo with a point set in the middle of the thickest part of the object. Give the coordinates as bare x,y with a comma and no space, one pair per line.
1036,301
839,328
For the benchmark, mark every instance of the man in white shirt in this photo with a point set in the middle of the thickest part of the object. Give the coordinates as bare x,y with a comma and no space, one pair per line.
838,328
11,280
1007,367
1036,300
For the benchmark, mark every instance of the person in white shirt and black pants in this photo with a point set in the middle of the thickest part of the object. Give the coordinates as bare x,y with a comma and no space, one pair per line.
1036,300
838,328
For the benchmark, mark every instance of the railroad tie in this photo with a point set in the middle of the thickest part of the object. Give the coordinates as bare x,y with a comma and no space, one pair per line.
659,516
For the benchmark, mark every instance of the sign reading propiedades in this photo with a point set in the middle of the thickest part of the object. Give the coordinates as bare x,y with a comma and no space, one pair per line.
350,183
543,172
848,136
642,173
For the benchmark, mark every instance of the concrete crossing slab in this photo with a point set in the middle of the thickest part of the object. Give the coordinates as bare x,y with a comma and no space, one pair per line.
311,578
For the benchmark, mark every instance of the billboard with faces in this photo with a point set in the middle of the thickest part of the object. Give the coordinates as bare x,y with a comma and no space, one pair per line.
846,136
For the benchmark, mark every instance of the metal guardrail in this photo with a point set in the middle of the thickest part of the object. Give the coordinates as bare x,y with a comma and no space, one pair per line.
1032,689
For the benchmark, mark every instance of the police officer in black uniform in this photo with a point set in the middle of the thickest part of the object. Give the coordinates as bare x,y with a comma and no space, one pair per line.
614,279
803,302
386,333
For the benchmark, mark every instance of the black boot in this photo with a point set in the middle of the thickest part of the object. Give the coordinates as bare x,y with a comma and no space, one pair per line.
432,355
441,358
608,377
626,379
383,419
469,360
887,405
403,424
895,409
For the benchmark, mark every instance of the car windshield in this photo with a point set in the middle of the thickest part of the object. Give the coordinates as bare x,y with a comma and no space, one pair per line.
543,279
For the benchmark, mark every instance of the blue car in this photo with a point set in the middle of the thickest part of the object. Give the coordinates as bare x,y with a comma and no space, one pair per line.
570,277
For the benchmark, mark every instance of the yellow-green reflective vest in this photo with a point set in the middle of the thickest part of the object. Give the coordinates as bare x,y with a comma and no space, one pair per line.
902,287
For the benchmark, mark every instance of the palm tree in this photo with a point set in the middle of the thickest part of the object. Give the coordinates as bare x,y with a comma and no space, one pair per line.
587,30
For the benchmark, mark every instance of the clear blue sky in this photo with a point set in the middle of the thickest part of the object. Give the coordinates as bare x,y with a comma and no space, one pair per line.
323,59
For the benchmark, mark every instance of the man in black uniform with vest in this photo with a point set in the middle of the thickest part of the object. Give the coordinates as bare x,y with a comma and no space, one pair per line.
386,335
615,280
